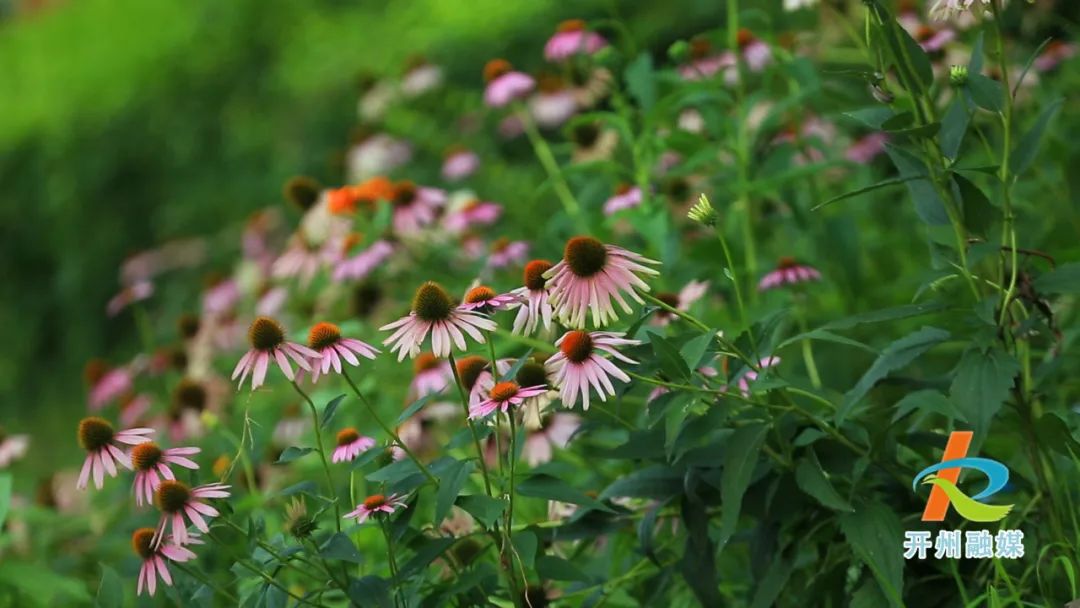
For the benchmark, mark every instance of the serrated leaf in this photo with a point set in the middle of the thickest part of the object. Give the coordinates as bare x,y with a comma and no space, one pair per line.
981,383
740,458
292,453
450,485
896,355
1028,147
553,488
927,400
485,509
340,547
812,480
331,409
875,534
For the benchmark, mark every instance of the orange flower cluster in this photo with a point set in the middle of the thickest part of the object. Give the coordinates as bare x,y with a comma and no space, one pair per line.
347,198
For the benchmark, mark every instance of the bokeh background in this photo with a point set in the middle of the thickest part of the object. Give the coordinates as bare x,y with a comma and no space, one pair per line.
125,124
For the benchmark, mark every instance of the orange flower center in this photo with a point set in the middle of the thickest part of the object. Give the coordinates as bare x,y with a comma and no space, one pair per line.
534,274
623,188
141,542
94,370
482,293
744,37
469,369
503,391
145,455
265,333
404,193
374,502
496,68
571,25
95,433
787,262
700,48
577,346
424,362
432,303
172,496
323,335
347,436
585,256
341,200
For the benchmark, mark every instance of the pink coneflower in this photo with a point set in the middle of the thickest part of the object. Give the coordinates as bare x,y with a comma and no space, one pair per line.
153,559
625,197
100,440
571,38
149,461
12,447
690,293
502,396
301,259
221,296
175,500
580,363
430,375
415,207
589,276
421,77
271,301
326,340
350,444
476,376
459,163
535,303
483,299
933,39
107,386
533,373
375,154
373,505
267,338
554,432
135,292
1055,53
133,406
472,213
790,272
751,375
434,312
504,252
360,265
554,103
505,85
755,52
705,63
866,149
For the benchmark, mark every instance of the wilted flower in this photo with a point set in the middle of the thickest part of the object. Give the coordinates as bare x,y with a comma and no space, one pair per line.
434,312
789,271
943,10
153,559
571,38
375,155
592,143
505,85
136,292
554,103
100,440
297,521
350,444
373,505
267,338
580,363
326,340
176,500
589,276
149,461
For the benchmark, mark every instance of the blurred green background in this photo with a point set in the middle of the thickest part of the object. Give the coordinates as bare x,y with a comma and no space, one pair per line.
126,123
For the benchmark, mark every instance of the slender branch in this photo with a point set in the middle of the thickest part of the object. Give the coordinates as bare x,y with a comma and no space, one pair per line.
469,422
322,453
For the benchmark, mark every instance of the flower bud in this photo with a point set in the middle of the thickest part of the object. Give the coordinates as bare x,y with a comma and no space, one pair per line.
958,75
703,213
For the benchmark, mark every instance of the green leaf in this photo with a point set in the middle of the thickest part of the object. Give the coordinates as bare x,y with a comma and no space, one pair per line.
339,547
671,362
425,554
954,126
1052,430
812,480
514,369
826,336
885,314
292,453
695,350
919,59
1065,279
927,401
979,214
5,496
1026,149
656,481
555,568
525,542
981,383
769,588
641,80
485,509
875,535
928,204
874,117
414,407
928,130
304,487
698,563
985,92
645,534
740,458
976,61
331,409
370,591
110,593
395,471
885,183
41,583
896,355
553,488
450,485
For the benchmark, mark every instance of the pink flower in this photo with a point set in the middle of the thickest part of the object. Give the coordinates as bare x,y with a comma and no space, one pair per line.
360,265
690,293
221,297
755,53
421,78
373,505
459,164
376,154
176,500
484,299
789,271
589,276
267,338
12,448
864,150
326,340
133,407
554,432
502,396
552,107
135,292
505,252
153,559
430,375
580,363
535,304
433,312
110,386
149,460
301,259
100,440
1055,53
625,197
931,39
571,38
271,301
350,444
504,85
705,64
472,213
415,207
751,375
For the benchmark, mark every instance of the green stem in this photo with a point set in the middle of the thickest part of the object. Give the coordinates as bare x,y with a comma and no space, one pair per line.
808,351
195,574
322,453
547,159
388,430
469,422
272,582
705,328
393,563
